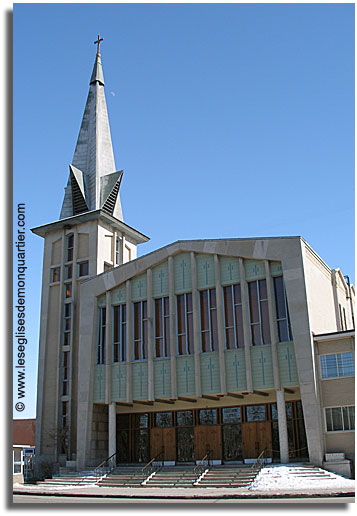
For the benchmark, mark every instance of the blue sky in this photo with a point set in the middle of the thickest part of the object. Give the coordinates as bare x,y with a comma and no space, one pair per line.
230,120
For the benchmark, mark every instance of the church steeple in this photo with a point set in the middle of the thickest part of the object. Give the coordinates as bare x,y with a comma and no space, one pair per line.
93,181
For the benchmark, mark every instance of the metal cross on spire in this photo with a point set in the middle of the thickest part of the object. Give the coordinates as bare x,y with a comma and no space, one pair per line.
98,43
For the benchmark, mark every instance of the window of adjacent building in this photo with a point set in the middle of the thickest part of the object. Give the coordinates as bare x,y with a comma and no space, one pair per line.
208,320
101,335
68,272
107,266
83,269
69,250
55,275
282,313
340,364
67,290
67,324
184,321
65,373
140,330
233,321
64,413
340,419
119,333
117,250
162,327
258,312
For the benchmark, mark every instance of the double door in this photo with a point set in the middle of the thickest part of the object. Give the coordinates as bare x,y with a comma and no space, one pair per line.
256,436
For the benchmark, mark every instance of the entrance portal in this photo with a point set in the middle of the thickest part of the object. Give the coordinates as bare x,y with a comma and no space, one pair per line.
208,438
163,439
256,437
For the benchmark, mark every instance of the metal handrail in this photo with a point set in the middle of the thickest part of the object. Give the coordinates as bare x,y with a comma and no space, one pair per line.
111,465
258,460
151,462
197,468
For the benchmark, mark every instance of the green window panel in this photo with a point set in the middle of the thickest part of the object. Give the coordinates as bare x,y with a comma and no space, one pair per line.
118,379
210,376
138,288
276,268
162,379
185,375
99,384
205,271
140,381
262,367
287,364
229,267
182,272
236,379
254,269
118,295
160,280
101,301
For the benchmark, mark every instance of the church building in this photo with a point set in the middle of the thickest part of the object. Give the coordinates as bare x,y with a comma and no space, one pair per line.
227,346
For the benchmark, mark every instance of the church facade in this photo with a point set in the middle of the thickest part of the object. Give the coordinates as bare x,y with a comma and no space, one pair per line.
226,345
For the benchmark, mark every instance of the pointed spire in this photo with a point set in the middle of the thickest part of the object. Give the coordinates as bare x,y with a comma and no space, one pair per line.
93,155
97,74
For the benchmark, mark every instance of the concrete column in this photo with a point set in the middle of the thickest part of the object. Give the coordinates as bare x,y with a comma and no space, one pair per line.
129,344
172,310
283,428
220,328
196,326
272,326
150,313
246,331
114,248
108,346
121,249
112,430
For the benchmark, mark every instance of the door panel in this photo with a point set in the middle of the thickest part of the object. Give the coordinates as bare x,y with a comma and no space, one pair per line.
163,438
208,437
256,436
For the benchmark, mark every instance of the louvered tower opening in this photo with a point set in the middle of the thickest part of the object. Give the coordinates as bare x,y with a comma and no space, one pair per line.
78,203
109,204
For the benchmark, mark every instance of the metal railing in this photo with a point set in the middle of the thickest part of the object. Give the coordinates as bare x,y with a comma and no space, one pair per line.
202,465
154,464
106,466
259,462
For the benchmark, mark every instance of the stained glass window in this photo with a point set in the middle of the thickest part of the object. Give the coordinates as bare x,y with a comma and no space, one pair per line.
256,413
163,419
119,333
233,320
184,321
162,327
184,418
231,415
258,313
208,320
140,330
208,417
282,314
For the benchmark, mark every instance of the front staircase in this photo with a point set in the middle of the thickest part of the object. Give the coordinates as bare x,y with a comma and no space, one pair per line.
125,475
228,476
70,479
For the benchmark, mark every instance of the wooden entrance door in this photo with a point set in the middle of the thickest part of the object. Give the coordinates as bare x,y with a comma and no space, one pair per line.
163,438
256,436
208,437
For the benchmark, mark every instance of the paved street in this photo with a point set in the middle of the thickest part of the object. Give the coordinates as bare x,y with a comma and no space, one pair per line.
34,499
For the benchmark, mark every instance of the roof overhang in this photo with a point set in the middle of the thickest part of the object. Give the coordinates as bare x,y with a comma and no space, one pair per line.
337,335
88,216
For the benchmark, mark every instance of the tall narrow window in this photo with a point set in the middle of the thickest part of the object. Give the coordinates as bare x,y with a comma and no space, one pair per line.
208,318
282,313
258,312
67,324
140,330
70,242
101,336
119,333
184,318
55,274
233,320
65,373
83,269
117,250
162,327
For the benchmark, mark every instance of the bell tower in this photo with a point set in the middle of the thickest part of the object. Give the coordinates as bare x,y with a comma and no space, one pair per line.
89,238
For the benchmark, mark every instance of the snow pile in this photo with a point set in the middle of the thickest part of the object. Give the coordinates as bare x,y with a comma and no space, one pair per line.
280,477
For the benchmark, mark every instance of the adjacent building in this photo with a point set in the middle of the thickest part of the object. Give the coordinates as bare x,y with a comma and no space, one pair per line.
219,345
